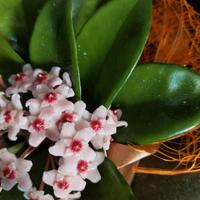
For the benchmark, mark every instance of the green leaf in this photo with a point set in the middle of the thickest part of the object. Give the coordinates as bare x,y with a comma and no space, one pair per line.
16,148
111,187
31,11
10,61
82,11
159,101
13,26
110,45
48,44
75,75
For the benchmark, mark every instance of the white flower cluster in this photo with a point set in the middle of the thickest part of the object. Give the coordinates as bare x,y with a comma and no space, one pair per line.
77,134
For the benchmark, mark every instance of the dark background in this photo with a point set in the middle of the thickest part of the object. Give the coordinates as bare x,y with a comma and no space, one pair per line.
155,187
195,4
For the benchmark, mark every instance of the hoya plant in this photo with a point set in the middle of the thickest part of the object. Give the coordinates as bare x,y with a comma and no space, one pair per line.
70,70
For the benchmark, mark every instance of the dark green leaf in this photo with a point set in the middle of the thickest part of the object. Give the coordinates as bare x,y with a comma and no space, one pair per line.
110,45
82,11
12,22
111,187
32,9
10,61
159,101
75,75
48,43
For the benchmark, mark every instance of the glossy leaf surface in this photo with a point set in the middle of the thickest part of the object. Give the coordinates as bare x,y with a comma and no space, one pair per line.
159,101
48,44
75,74
110,45
82,11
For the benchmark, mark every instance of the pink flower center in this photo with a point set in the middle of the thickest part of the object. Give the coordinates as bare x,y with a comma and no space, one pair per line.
50,97
38,124
7,116
96,125
62,184
9,173
82,166
115,113
41,77
67,117
19,77
76,146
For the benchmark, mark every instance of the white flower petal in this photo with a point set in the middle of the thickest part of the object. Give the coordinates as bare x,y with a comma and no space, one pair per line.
77,184
94,176
79,107
67,79
61,193
101,112
52,133
34,106
16,101
69,166
97,141
100,157
7,185
55,71
58,149
6,156
12,132
68,130
88,154
35,139
53,82
49,177
85,134
24,183
23,166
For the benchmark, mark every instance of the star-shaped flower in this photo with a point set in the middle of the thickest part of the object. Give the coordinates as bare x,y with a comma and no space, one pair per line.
14,171
63,185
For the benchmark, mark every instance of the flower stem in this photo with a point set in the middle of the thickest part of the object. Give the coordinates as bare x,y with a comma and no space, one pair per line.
27,152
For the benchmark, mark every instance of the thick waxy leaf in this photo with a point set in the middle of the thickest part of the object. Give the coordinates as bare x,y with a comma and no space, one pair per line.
10,61
111,187
159,101
82,11
31,10
48,44
12,22
110,45
73,50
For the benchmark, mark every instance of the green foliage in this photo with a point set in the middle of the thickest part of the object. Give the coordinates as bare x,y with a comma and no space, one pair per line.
48,44
10,61
159,101
110,45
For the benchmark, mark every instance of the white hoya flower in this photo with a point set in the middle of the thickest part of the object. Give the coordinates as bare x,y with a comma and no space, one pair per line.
12,116
72,113
50,97
14,171
101,127
43,126
73,143
35,194
21,82
63,185
86,167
